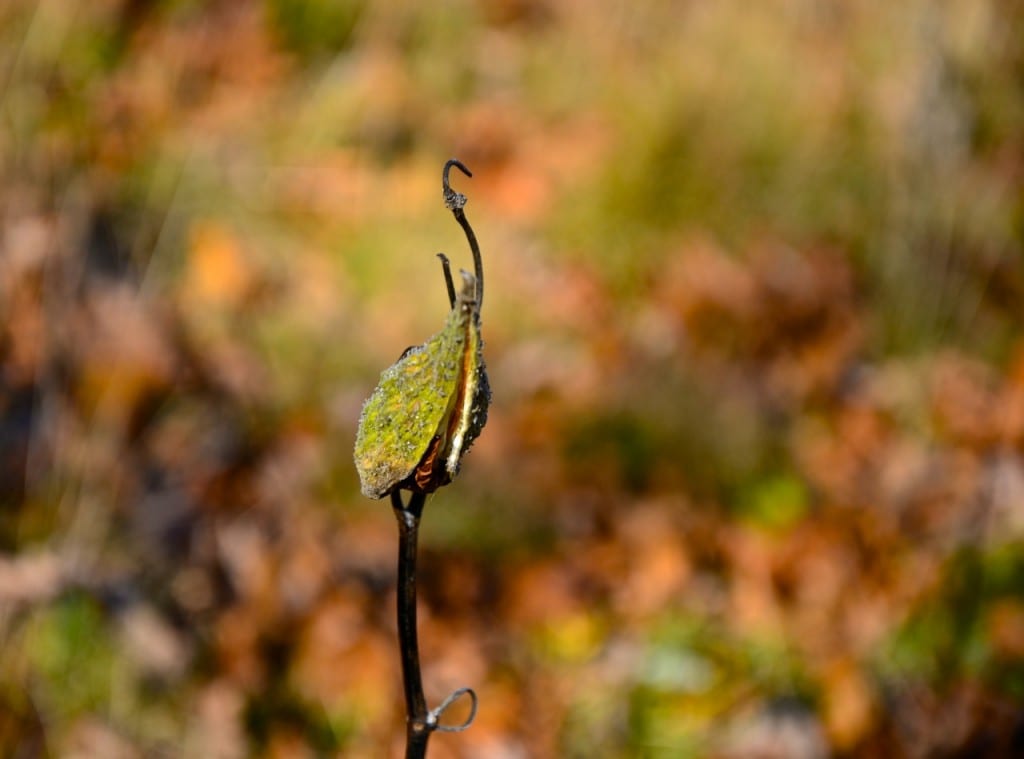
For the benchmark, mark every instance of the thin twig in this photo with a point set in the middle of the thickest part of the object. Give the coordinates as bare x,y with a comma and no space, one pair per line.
418,722
446,267
455,202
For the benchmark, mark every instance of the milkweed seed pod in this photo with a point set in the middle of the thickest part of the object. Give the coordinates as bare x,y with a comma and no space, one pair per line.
428,408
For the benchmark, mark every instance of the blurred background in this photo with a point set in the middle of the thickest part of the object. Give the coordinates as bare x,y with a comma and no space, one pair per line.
753,480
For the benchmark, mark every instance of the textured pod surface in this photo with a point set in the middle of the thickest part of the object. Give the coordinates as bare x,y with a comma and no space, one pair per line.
427,409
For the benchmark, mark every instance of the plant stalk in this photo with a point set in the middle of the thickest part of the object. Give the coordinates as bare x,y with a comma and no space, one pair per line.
418,721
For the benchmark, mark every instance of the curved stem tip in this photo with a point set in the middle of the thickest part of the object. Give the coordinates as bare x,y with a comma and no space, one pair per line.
455,202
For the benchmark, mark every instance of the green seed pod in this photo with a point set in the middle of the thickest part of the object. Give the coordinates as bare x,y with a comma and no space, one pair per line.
428,408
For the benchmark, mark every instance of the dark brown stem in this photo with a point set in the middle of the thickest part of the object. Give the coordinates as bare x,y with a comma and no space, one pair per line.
447,269
419,723
456,201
